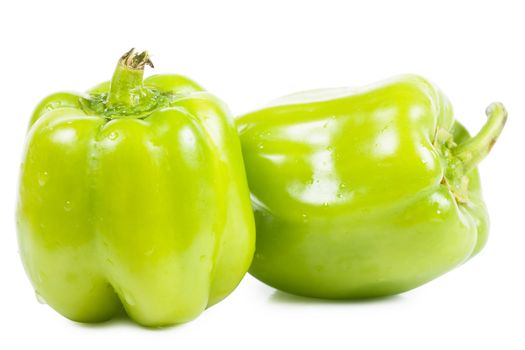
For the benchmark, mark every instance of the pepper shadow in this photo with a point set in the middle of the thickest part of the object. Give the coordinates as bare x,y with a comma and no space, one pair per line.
280,297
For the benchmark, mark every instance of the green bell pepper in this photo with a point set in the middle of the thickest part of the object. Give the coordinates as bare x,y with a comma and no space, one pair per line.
134,195
364,193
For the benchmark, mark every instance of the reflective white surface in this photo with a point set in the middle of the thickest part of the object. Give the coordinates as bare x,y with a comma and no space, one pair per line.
248,53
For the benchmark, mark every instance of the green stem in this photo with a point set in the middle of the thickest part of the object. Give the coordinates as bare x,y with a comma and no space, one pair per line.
126,85
472,151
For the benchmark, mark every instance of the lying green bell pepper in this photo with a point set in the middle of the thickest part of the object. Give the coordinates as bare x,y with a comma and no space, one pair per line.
134,195
364,193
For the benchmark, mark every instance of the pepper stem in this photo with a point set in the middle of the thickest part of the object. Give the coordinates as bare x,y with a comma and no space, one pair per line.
472,151
126,85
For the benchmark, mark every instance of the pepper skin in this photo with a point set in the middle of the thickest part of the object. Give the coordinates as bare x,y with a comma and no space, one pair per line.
364,193
134,195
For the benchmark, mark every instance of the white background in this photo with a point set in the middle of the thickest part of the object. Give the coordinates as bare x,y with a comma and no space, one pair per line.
247,53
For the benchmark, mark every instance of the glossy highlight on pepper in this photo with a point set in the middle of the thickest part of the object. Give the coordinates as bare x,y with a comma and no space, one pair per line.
134,196
367,192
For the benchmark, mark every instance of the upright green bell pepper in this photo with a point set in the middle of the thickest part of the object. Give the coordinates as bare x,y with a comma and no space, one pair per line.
134,195
364,193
